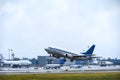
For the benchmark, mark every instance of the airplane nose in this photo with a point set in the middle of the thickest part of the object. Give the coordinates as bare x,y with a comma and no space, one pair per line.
46,49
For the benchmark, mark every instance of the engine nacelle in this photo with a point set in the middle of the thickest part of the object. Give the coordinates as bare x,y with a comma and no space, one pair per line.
68,55
56,56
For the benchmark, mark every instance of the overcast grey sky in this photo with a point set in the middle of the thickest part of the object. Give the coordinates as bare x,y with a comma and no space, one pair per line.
29,26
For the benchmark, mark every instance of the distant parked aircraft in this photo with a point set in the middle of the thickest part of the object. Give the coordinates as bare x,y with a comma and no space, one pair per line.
57,53
14,63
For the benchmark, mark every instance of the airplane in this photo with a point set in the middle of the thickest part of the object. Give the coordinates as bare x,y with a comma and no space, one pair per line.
57,53
14,63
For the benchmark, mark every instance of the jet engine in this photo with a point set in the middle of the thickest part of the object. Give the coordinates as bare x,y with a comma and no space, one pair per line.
68,55
56,56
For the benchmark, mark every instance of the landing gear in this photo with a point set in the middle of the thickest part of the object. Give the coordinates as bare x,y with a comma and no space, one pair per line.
71,60
50,55
65,60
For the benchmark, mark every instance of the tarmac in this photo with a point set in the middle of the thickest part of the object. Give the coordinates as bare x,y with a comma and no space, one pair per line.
67,70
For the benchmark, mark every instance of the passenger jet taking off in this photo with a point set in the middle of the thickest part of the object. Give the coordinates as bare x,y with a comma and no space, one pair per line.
57,53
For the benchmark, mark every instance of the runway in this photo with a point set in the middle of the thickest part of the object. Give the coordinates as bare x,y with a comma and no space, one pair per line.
52,72
67,70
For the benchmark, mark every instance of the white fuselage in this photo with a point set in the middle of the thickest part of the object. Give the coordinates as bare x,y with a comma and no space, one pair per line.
19,62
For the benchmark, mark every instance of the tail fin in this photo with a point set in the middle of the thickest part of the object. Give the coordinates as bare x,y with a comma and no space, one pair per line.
90,50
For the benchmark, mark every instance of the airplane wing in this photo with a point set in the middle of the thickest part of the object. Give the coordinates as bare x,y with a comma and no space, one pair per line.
83,57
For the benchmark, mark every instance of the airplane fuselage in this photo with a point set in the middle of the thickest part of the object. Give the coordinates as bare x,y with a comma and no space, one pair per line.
57,53
16,64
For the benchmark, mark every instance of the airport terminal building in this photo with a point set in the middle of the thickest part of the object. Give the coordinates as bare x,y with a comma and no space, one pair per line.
43,60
